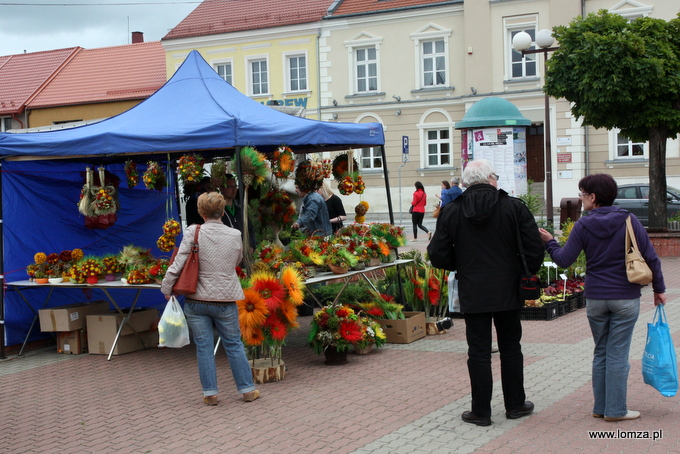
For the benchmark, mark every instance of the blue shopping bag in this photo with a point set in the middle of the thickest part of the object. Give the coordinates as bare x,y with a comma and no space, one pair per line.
659,364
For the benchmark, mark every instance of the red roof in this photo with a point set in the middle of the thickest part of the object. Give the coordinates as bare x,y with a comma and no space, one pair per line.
367,6
22,75
132,71
224,16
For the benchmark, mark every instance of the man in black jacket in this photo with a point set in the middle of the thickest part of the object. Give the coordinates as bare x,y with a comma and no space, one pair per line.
477,236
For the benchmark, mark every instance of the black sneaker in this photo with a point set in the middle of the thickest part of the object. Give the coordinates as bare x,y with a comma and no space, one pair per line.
445,323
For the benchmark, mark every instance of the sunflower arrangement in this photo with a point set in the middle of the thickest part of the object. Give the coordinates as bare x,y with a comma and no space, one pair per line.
269,310
282,162
190,168
335,326
131,174
154,177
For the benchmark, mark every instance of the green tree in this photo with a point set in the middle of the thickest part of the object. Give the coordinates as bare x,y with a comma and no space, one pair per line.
626,75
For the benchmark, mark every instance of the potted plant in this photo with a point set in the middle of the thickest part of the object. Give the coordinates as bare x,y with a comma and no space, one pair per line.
371,335
40,275
339,259
333,330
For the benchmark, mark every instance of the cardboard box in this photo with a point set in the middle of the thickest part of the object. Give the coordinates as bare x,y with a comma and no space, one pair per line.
102,329
72,342
70,317
406,330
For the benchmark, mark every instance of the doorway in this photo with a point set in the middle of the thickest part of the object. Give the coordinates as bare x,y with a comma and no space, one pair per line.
535,153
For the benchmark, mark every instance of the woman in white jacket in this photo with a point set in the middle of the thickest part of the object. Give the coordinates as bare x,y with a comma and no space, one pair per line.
214,303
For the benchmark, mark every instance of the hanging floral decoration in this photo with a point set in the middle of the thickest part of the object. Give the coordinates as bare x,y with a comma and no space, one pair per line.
218,173
190,168
282,162
309,175
360,211
346,173
166,242
131,174
154,177
253,167
276,208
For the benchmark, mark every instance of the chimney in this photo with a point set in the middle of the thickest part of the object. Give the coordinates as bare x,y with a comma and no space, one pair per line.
137,37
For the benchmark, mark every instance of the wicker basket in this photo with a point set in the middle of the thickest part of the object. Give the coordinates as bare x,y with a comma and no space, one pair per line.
338,269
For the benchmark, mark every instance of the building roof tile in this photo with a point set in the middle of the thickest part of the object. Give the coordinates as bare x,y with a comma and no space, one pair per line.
224,16
347,7
23,75
132,71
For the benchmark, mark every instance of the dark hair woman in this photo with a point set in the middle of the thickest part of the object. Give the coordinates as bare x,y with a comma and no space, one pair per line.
612,303
418,211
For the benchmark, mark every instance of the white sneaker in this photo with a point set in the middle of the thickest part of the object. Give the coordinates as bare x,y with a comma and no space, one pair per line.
632,414
415,240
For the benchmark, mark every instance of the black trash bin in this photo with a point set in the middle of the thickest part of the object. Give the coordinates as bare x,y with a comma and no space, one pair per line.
570,208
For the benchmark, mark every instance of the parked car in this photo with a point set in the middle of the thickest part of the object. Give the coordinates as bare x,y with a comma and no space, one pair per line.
635,198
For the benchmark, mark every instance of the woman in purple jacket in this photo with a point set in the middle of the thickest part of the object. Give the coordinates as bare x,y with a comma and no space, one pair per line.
612,303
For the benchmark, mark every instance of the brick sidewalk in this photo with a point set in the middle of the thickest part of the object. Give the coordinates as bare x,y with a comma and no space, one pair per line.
399,399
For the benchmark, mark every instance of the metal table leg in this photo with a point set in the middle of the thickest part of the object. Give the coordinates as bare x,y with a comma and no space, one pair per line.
35,318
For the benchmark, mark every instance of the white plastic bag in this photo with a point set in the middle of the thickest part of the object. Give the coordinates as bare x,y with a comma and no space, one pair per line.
173,330
454,303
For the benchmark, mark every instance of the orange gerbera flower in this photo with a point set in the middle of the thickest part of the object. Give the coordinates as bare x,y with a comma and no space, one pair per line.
269,288
289,313
253,337
292,281
384,248
252,311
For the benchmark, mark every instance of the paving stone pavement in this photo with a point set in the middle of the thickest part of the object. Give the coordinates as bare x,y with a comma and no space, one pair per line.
403,398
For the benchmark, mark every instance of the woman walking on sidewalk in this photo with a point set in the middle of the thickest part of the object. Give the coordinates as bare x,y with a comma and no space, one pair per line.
612,303
417,211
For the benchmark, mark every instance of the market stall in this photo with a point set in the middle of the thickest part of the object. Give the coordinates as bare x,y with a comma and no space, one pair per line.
194,112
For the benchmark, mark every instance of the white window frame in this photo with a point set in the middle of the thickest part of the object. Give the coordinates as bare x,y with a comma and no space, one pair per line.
288,82
373,154
614,148
431,32
362,41
249,75
516,25
631,10
424,126
230,62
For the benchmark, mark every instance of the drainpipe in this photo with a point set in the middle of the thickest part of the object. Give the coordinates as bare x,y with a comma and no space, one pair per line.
14,116
318,76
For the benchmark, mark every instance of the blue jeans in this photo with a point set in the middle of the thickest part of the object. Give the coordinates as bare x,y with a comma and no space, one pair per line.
201,318
612,323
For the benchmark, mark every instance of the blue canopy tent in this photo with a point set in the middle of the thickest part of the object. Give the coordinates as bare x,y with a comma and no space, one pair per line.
196,111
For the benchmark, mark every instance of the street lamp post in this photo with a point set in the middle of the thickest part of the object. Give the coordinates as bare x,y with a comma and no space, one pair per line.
522,42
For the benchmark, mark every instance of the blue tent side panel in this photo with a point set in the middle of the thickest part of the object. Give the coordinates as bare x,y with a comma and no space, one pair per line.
45,218
195,110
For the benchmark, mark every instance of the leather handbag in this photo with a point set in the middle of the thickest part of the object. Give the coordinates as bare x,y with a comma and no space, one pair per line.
188,279
637,270
437,209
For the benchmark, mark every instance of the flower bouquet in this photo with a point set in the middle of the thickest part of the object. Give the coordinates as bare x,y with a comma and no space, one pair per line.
111,267
309,175
371,335
282,162
394,235
131,174
266,316
158,269
339,259
277,210
335,328
154,177
91,268
190,168
382,306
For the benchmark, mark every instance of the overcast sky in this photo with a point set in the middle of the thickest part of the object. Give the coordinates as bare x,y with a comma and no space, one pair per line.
56,24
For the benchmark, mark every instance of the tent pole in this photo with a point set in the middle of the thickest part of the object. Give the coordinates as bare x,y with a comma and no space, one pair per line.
387,184
2,277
